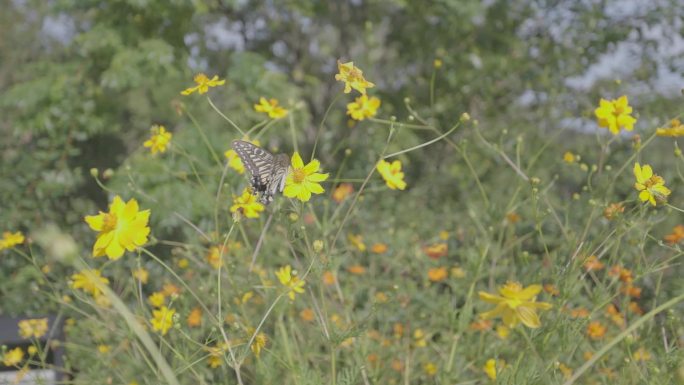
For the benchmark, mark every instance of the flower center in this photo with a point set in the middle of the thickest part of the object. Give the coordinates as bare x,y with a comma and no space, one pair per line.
298,175
109,223
652,181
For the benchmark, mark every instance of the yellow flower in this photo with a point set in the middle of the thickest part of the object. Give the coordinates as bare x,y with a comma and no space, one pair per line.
502,331
596,330
515,304
259,342
392,174
293,283
615,114
33,327
342,191
248,204
642,355
651,187
430,369
122,228
214,256
203,84
437,63
86,280
10,240
141,275
491,367
363,107
103,348
157,299
183,263
303,180
352,77
271,108
13,357
162,319
676,129
569,157
357,241
159,140
234,160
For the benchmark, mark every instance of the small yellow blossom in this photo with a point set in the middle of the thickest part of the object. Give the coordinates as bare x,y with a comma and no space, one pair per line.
183,263
214,362
569,157
259,343
675,129
195,318
248,204
363,107
141,275
437,63
502,331
162,319
596,330
122,228
419,338
35,328
567,372
103,349
437,274
292,282
651,187
352,77
214,256
203,84
82,280
13,357
457,272
642,355
615,115
271,108
32,350
159,139
515,304
157,299
437,250
392,174
303,180
492,367
357,241
10,240
444,235
430,369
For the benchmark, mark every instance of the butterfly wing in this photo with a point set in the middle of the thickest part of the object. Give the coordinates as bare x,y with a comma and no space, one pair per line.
266,170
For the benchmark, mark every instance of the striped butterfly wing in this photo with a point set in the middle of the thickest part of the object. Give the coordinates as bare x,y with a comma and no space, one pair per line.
267,171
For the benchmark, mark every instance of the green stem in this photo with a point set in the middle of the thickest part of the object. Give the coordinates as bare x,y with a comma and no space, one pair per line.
205,139
224,116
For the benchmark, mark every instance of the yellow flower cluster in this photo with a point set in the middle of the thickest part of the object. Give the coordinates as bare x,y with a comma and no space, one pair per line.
10,240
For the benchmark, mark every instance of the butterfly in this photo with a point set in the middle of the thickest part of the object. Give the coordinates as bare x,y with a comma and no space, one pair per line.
268,170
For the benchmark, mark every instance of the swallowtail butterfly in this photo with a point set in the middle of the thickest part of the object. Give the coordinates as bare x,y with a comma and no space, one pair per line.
268,171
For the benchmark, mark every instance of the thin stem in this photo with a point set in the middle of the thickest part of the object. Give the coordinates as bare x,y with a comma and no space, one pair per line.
437,139
204,138
320,126
224,116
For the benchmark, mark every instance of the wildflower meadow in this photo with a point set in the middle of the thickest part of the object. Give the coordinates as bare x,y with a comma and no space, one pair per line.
249,192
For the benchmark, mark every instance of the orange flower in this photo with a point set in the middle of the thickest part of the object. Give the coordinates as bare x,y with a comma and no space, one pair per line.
580,312
307,315
613,210
436,250
481,325
625,275
512,218
631,290
593,263
596,330
635,308
676,236
195,318
551,289
170,289
329,278
342,192
356,269
437,274
379,248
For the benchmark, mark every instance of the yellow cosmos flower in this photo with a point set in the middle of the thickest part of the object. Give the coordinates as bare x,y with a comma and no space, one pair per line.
303,180
363,107
293,283
615,115
675,129
515,304
234,160
357,241
10,240
141,275
159,140
392,174
214,256
86,280
271,108
162,319
157,299
651,187
491,367
248,204
35,328
203,84
352,77
259,343
122,228
13,357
